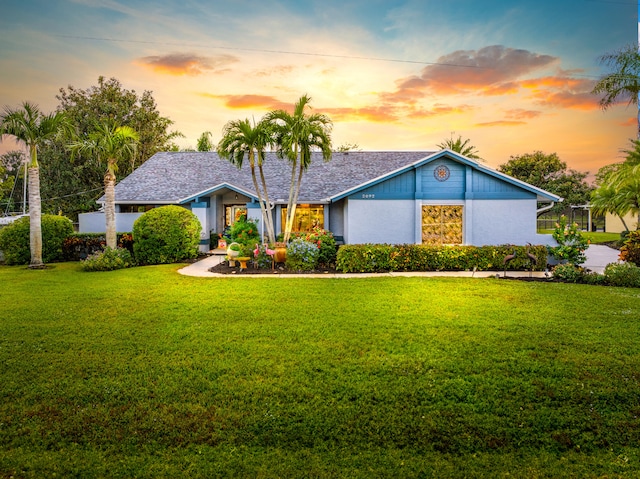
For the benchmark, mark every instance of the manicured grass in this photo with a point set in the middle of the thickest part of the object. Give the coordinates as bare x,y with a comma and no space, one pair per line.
596,237
146,373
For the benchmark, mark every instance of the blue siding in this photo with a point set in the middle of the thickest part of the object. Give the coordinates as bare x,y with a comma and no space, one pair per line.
464,182
451,189
488,187
395,188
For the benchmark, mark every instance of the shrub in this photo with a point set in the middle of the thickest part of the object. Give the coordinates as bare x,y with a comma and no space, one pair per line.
372,258
263,256
166,235
630,250
325,241
622,274
569,273
79,246
302,255
243,231
15,242
571,243
108,260
594,278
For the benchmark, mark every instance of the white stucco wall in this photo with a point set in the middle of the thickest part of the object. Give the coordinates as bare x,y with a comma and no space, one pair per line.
495,222
485,222
380,221
95,222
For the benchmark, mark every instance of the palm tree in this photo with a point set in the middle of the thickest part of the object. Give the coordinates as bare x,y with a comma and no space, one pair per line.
623,82
459,146
240,139
619,191
113,143
204,142
297,136
32,127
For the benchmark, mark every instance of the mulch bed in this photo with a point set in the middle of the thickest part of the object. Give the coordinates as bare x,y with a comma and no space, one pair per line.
224,268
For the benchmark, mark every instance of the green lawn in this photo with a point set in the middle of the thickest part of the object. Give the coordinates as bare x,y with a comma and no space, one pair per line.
596,237
146,373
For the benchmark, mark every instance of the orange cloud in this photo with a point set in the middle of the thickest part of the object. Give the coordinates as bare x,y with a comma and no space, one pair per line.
239,102
186,63
440,110
581,100
520,114
632,121
491,70
378,114
501,123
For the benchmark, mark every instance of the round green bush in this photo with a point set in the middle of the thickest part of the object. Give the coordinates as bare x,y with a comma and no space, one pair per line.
15,242
166,235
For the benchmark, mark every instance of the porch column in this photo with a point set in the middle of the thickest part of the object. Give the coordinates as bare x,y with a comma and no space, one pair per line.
200,210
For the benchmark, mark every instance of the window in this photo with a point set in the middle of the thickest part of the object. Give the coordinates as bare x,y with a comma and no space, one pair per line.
441,224
307,217
135,208
233,213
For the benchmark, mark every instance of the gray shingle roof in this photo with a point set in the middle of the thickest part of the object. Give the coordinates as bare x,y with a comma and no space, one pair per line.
171,177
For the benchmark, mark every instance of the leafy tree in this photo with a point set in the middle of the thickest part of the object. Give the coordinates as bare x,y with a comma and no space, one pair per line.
12,180
297,135
618,192
460,146
623,83
73,186
205,142
34,128
239,140
548,172
113,144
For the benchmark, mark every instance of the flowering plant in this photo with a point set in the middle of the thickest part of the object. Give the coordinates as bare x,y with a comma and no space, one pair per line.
302,255
571,243
263,256
325,242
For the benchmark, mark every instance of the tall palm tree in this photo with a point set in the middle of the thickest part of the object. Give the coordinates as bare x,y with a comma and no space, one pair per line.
623,82
460,146
32,127
113,144
297,136
240,139
619,191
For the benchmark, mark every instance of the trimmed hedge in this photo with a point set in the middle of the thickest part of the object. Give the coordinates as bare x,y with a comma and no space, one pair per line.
79,246
377,258
166,235
15,241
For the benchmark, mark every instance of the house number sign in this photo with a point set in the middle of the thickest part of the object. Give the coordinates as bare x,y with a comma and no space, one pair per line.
368,196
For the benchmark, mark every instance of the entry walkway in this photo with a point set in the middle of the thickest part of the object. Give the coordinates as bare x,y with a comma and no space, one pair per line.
598,256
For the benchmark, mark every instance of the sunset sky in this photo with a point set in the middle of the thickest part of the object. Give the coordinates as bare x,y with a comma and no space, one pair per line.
512,76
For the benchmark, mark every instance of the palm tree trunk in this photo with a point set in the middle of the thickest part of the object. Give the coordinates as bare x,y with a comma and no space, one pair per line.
35,218
288,224
294,203
264,209
268,218
110,209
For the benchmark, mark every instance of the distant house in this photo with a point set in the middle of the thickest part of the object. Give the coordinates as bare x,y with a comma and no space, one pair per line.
613,223
393,197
